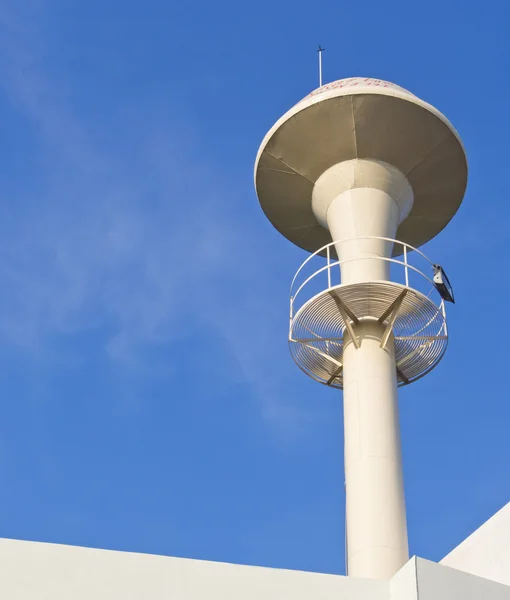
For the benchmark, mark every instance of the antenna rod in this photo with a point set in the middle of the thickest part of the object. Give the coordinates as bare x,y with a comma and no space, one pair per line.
320,51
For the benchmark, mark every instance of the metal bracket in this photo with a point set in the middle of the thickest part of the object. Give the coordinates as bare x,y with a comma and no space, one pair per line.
335,375
402,376
392,313
420,348
417,351
347,316
422,337
337,341
324,355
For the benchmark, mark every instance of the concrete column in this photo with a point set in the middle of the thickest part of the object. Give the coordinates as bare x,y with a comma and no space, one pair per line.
375,506
356,199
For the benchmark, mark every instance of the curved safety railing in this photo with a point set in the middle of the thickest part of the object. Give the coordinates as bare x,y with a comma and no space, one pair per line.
329,269
408,303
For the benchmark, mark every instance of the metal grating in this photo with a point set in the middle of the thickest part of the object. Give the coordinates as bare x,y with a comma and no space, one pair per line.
316,329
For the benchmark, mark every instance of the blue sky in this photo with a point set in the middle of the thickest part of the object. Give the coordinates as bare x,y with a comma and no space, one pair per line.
149,402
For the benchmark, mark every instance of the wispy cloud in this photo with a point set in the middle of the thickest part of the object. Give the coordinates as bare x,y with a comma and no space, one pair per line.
124,233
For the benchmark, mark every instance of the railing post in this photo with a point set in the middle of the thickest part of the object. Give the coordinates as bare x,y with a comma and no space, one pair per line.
405,265
339,262
290,316
443,310
329,269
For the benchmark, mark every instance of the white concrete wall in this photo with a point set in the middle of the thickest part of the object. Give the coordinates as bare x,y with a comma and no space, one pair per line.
35,571
437,582
403,585
486,552
421,579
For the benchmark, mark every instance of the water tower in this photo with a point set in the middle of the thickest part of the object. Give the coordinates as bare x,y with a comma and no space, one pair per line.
360,173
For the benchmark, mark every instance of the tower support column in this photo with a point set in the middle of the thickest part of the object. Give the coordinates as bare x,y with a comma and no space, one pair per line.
361,201
376,526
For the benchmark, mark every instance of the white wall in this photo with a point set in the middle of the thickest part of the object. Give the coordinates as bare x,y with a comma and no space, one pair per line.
403,585
437,582
421,579
35,571
486,552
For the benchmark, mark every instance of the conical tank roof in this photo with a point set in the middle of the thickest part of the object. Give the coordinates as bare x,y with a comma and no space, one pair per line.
360,118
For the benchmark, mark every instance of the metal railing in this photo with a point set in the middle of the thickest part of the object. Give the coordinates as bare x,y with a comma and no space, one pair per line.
329,275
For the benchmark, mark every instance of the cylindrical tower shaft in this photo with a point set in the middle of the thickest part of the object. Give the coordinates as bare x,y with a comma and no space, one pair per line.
368,214
355,200
376,527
